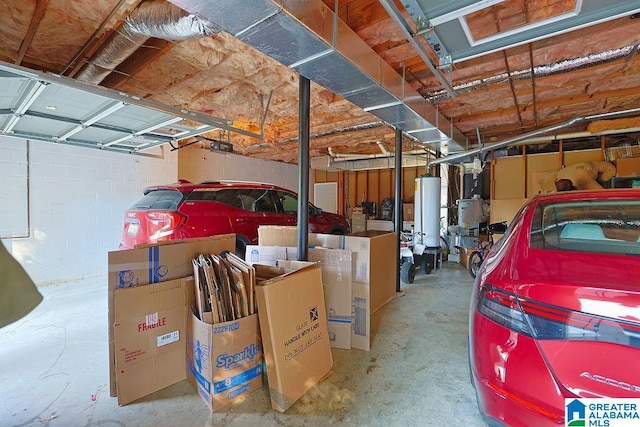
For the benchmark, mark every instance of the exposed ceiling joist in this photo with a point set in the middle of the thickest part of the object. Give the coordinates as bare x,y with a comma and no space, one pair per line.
587,67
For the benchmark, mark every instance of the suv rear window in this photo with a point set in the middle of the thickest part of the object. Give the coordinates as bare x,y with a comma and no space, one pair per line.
159,200
610,226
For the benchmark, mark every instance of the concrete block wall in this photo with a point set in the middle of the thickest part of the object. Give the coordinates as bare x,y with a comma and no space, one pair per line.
77,198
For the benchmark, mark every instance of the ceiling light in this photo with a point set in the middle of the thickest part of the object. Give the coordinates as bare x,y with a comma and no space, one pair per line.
51,107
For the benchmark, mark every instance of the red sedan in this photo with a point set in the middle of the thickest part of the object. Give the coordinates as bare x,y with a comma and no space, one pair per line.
555,308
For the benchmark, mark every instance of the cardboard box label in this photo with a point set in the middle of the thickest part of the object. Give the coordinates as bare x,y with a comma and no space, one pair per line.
360,316
169,338
265,255
361,322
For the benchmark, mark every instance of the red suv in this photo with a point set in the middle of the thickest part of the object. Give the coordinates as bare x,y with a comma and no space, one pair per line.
185,210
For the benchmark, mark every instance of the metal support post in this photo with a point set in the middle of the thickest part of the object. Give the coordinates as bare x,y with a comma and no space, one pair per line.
398,201
303,167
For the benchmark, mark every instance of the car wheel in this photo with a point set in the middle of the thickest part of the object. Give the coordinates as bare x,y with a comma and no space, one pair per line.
407,272
241,248
475,259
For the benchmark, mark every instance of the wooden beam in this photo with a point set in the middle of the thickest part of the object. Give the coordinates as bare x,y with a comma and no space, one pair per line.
38,13
361,14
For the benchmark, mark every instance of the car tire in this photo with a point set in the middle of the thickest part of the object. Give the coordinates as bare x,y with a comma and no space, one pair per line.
241,248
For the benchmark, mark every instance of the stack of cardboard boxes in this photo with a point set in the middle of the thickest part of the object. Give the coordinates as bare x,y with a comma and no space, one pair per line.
157,339
372,275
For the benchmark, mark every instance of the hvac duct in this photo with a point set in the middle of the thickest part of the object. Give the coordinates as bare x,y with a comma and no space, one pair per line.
307,36
360,164
155,18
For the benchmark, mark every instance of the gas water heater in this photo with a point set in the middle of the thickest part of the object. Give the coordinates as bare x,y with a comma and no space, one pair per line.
427,211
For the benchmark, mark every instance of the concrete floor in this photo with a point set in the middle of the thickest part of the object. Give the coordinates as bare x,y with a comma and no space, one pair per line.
54,368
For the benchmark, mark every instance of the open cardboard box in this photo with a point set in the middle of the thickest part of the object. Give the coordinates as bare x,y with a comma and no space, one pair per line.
373,271
336,282
154,264
160,341
154,335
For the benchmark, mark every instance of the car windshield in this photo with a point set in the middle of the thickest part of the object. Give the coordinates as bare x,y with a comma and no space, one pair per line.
160,200
608,226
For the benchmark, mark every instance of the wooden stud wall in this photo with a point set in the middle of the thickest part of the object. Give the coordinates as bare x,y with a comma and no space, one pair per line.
515,179
374,185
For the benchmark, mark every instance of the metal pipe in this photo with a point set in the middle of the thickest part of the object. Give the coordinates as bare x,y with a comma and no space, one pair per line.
398,201
339,157
355,128
304,108
382,147
525,136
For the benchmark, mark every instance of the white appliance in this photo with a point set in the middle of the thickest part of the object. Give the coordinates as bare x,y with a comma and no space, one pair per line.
427,211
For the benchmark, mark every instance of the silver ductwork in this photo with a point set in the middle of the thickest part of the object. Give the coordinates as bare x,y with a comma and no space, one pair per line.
330,164
154,18
565,66
307,36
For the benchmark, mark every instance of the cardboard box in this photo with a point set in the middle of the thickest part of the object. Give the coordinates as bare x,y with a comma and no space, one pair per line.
628,167
407,212
380,225
277,235
265,255
358,222
282,235
224,361
374,263
149,336
154,264
464,256
373,252
336,283
293,322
